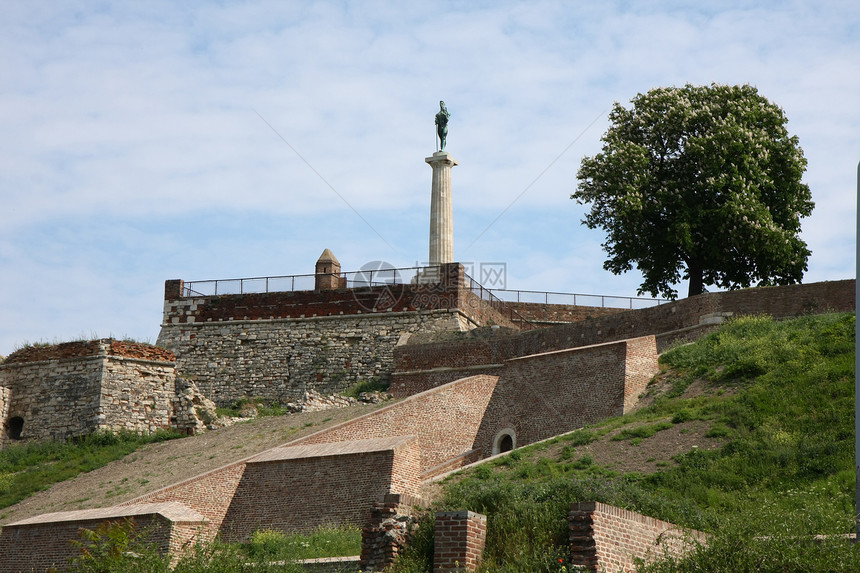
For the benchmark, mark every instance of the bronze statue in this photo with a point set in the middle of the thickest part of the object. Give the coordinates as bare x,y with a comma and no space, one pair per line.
442,124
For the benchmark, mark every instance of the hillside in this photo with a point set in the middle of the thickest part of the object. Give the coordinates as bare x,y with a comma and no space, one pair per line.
164,463
747,434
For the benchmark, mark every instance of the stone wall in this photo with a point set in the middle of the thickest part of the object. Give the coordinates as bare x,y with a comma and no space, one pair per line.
55,399
4,413
608,539
77,388
278,345
280,359
45,543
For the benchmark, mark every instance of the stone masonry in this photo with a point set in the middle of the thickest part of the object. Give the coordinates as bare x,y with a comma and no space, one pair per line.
279,345
77,388
71,389
281,359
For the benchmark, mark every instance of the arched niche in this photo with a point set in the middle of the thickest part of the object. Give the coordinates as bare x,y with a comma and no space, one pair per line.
15,427
505,441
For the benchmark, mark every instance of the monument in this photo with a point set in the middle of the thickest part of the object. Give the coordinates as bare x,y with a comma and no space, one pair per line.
441,206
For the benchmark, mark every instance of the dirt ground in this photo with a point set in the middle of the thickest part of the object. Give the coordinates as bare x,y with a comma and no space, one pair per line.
162,464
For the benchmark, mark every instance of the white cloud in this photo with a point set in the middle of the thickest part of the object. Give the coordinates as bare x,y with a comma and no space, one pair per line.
141,121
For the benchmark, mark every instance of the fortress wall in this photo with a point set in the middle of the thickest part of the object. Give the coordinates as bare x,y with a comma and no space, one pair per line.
445,421
779,302
209,494
136,395
280,359
301,488
55,398
541,313
305,304
609,539
67,397
76,388
277,345
405,384
547,394
46,543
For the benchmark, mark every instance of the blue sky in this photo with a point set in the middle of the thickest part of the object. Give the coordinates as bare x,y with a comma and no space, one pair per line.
136,142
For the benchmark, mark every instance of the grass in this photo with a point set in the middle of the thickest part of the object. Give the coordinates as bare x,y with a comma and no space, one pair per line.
119,546
373,385
263,407
34,466
780,395
325,541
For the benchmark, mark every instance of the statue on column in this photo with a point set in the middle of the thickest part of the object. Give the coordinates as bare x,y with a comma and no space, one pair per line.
442,124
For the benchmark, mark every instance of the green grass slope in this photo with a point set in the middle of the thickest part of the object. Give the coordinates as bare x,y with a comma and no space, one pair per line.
779,397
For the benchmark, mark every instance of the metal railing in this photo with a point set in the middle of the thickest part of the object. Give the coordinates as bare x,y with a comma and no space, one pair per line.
577,299
290,283
410,275
496,303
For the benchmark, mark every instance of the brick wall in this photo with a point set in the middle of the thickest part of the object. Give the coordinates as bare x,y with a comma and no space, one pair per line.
445,421
302,487
45,543
388,530
540,396
548,314
460,537
695,313
208,494
607,539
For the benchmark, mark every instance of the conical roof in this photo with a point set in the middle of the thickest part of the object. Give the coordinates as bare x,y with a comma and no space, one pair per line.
327,257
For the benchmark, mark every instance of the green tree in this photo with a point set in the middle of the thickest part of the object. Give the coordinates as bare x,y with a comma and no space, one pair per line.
700,183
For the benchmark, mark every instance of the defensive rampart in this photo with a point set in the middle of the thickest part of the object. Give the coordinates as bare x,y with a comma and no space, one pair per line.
75,388
418,367
46,542
277,345
391,450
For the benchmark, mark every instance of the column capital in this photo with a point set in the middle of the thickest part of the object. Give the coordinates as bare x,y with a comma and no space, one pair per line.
441,158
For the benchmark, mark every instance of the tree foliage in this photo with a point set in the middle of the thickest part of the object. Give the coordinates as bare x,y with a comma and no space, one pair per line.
700,183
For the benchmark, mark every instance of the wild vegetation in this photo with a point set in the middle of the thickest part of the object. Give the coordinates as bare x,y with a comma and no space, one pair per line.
119,547
34,466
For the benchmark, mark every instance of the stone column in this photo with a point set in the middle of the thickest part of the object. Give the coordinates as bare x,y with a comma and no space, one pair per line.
441,209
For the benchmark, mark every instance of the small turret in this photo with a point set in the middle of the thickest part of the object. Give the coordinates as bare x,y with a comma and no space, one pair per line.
328,272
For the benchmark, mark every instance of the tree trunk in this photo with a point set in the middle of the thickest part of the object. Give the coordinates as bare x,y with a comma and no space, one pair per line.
696,284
